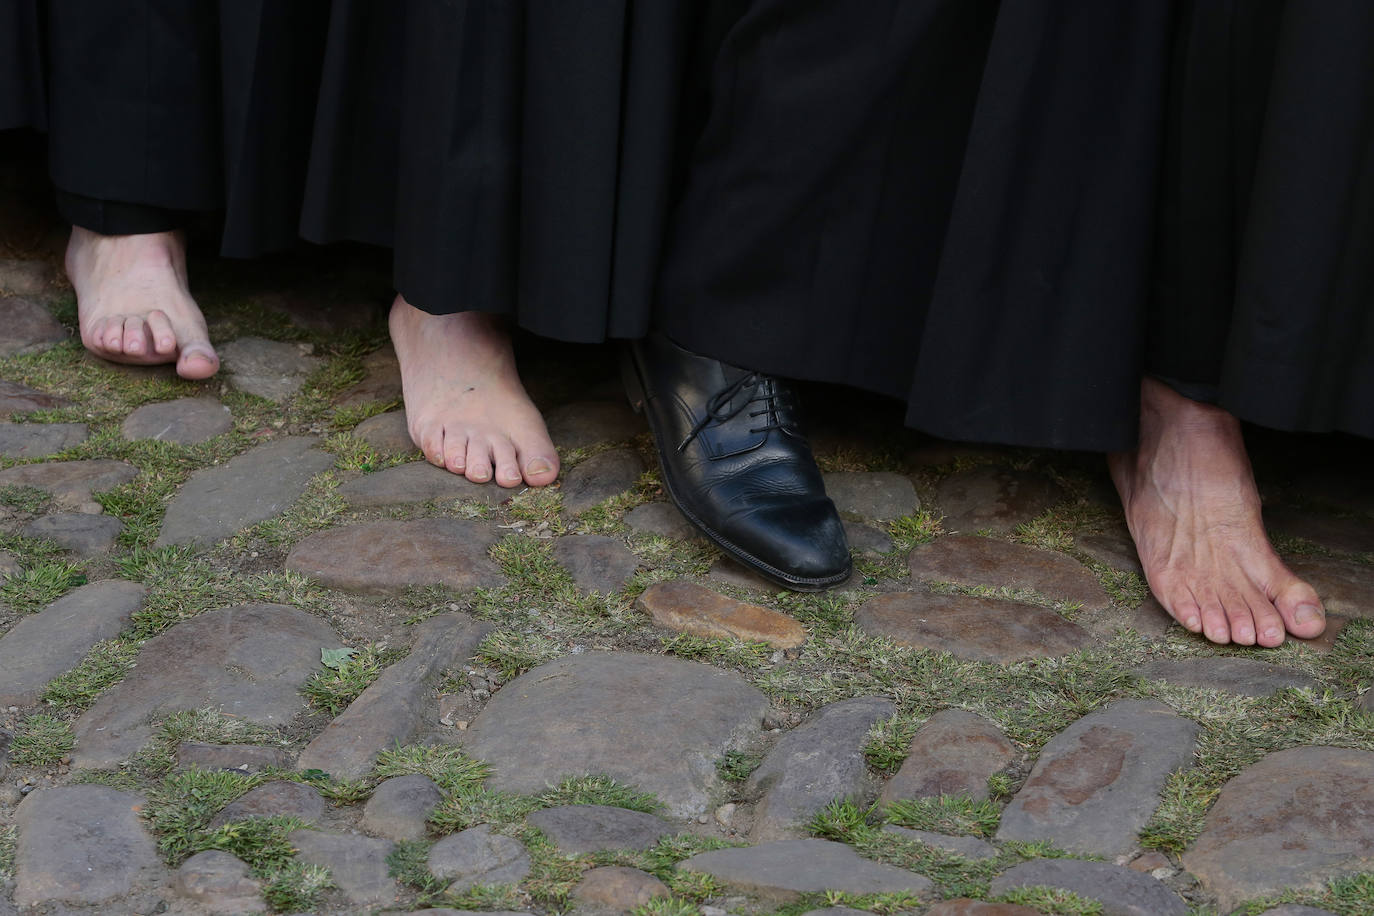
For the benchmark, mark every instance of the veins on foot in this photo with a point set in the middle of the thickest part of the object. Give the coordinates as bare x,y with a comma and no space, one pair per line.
134,303
465,405
1194,511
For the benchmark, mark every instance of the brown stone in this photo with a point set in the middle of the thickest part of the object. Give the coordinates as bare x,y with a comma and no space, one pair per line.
274,799
418,482
381,380
953,753
245,758
617,888
1148,619
599,478
1113,549
1097,783
1149,862
1295,819
994,499
27,327
1345,535
393,555
587,423
965,906
387,433
25,277
1345,586
978,629
697,610
16,398
969,560
71,483
1246,676
1326,641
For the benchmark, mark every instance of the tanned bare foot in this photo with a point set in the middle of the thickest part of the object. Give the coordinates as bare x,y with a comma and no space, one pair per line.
134,304
1194,511
465,405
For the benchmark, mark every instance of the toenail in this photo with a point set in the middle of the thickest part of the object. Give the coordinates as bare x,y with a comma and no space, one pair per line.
1271,633
1191,623
1307,613
538,466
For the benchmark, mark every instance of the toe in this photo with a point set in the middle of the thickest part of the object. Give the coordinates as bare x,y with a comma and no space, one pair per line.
431,442
1239,618
1179,602
503,460
197,360
1269,626
160,331
112,335
455,452
1215,625
540,470
1297,603
136,341
478,460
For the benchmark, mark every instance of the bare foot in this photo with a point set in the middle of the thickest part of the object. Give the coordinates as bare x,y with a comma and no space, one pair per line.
465,405
1194,511
133,301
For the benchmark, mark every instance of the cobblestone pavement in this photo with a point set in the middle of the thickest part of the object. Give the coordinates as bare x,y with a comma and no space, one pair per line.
255,656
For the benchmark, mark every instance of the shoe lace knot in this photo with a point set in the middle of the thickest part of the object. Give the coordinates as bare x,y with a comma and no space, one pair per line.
724,406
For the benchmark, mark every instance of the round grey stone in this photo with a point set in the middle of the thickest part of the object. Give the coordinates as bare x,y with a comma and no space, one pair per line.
867,539
662,519
617,889
272,799
579,829
418,482
599,478
400,806
1121,891
82,534
27,327
36,440
952,753
356,863
387,433
185,421
596,563
653,722
1249,677
269,369
994,499
479,856
880,495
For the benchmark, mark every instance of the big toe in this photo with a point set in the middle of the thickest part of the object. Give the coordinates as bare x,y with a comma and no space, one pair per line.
540,470
197,360
1301,609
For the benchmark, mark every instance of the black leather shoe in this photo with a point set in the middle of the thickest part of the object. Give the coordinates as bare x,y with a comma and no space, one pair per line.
737,465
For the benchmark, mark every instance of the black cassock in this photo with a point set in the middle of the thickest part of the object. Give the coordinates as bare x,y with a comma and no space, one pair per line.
952,202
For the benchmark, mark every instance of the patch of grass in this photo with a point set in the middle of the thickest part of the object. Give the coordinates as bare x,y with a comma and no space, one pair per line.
952,814
451,769
839,820
9,838
40,740
28,500
726,653
408,863
599,790
259,841
696,886
872,903
514,653
736,766
104,666
179,808
295,887
889,742
1051,901
481,806
530,566
486,897
35,587
911,530
316,508
667,906
1352,895
332,689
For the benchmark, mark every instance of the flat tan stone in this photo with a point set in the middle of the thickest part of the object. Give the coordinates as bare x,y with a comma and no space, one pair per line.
393,555
953,753
978,629
970,561
695,609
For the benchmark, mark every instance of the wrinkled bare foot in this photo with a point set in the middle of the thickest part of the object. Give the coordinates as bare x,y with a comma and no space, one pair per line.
1194,511
465,405
133,302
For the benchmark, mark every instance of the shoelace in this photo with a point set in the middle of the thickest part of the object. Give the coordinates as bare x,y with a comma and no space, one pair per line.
718,408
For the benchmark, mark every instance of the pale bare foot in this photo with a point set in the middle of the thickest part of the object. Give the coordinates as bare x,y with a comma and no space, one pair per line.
1194,511
133,301
465,405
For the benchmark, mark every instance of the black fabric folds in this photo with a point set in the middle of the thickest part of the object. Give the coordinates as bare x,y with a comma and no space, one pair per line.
22,102
187,106
1265,299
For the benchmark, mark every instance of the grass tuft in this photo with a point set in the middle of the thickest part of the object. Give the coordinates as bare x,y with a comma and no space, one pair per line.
599,790
41,740
952,814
